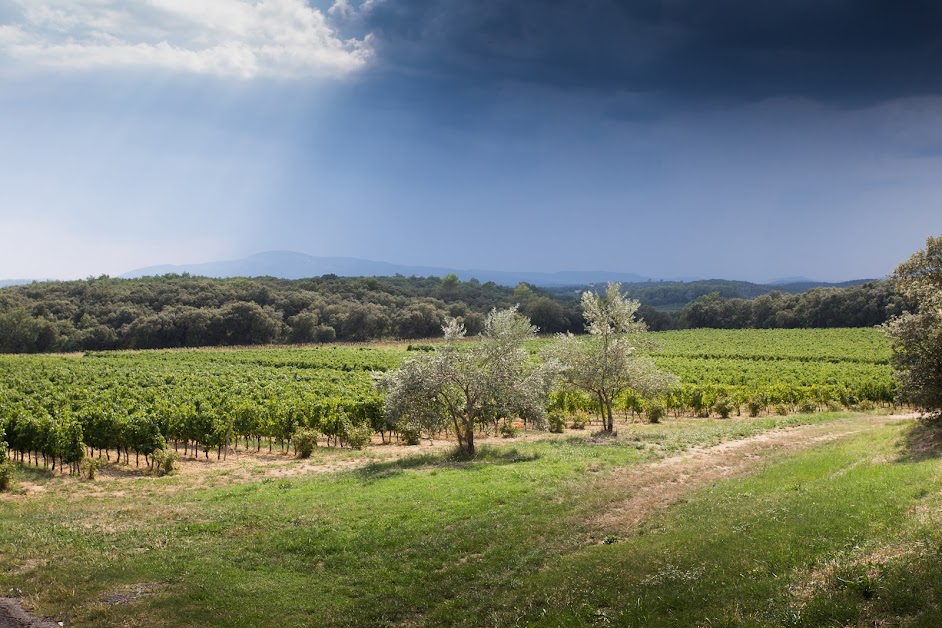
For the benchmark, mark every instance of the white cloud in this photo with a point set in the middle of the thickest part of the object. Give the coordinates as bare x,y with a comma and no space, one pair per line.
240,38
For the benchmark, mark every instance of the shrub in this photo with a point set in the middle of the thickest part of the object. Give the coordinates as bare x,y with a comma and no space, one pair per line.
6,474
164,461
90,466
305,440
426,348
866,406
508,429
835,406
807,407
781,409
324,333
756,405
579,420
409,434
557,421
358,436
724,407
654,413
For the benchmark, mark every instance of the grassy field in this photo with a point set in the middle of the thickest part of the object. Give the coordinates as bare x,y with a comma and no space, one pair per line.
833,519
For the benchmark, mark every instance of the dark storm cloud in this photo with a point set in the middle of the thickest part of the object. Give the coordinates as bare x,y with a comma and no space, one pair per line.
843,51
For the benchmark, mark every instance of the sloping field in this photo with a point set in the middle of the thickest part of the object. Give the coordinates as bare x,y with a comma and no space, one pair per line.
802,520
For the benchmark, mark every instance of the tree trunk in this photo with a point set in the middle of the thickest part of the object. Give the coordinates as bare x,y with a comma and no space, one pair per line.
469,442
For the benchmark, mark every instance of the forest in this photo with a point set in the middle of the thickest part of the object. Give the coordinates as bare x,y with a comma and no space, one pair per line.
183,311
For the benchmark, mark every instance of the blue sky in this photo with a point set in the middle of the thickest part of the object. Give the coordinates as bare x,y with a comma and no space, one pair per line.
747,140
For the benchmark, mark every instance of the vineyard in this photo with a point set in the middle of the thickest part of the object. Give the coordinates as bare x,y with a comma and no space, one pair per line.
783,369
60,409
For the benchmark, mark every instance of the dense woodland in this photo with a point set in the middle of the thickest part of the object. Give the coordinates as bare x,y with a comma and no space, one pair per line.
184,311
857,306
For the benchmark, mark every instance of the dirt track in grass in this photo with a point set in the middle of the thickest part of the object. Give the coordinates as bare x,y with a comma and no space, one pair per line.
668,481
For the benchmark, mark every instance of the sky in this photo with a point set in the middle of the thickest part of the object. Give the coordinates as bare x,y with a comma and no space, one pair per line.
739,139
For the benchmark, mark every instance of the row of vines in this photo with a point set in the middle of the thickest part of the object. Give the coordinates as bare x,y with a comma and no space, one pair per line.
59,409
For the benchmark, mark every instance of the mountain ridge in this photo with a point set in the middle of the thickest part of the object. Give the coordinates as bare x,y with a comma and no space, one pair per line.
294,265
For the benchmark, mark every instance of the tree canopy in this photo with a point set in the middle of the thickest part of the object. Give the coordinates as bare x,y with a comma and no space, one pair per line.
916,336
606,363
463,385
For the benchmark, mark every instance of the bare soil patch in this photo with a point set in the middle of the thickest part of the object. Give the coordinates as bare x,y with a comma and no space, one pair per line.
13,615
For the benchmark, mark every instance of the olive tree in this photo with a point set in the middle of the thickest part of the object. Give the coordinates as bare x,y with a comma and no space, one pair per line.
606,363
462,385
916,336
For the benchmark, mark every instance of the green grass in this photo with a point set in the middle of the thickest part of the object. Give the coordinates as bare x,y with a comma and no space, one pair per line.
824,537
428,538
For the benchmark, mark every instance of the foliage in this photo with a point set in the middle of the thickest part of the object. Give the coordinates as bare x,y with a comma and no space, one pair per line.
579,420
6,465
606,363
556,421
358,436
509,430
464,386
91,466
756,405
6,474
305,440
214,400
654,412
916,336
164,461
724,406
182,311
856,306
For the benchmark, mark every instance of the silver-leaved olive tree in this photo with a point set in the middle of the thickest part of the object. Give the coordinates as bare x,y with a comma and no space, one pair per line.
606,363
463,385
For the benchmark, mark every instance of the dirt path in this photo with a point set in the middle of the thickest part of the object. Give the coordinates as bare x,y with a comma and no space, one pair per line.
660,484
12,615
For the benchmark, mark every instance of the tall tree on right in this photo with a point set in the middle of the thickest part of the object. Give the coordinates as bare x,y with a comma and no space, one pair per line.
607,362
916,336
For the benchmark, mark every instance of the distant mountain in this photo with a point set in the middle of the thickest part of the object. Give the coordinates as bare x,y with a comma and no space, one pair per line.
788,280
16,282
291,265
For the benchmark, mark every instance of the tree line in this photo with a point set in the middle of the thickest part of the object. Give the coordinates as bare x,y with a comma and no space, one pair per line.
867,305
182,311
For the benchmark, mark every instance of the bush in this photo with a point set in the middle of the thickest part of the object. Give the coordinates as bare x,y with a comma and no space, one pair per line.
654,413
807,407
509,430
6,474
305,440
359,436
426,348
579,420
164,461
866,406
325,333
724,407
90,466
835,406
781,409
556,421
409,434
756,405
